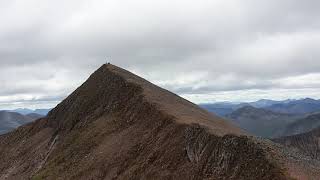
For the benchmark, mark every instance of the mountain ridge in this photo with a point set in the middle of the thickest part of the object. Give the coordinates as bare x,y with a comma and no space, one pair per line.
25,111
303,125
119,126
307,142
11,120
261,122
289,106
301,106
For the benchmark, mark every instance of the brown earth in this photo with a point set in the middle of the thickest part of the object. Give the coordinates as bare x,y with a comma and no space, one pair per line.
119,126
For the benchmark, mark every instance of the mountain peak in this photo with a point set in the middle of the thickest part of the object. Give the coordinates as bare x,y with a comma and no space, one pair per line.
309,100
111,85
117,125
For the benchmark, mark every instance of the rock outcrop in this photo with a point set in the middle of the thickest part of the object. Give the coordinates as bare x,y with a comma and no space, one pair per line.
308,143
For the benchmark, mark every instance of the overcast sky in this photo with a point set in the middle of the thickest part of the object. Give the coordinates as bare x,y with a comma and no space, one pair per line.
206,51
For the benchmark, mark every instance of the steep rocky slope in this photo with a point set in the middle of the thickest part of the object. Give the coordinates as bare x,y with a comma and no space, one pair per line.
308,143
119,126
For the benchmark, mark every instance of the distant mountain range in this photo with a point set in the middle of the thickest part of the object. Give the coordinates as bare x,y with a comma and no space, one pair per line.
301,106
302,125
269,118
261,122
267,102
25,111
290,106
222,109
12,120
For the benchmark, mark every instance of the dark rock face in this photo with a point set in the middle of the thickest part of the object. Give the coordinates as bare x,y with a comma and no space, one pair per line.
308,143
118,126
230,157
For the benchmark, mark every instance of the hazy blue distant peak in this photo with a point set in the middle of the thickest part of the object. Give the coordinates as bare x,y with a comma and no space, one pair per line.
23,111
42,111
265,102
26,111
289,106
310,100
301,106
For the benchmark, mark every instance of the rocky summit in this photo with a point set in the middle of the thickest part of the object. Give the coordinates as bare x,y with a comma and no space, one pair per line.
119,126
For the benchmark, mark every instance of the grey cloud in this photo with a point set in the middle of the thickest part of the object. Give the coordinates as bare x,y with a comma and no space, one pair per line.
48,48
